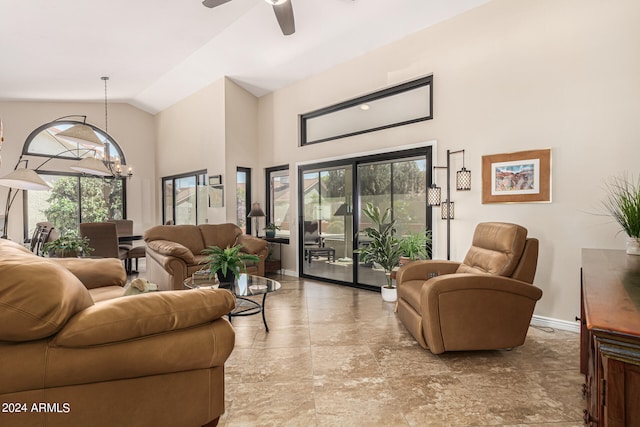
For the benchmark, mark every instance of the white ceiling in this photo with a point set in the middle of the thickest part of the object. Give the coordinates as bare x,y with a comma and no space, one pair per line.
156,52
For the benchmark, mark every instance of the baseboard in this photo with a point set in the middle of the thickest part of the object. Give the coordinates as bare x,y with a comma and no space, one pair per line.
556,324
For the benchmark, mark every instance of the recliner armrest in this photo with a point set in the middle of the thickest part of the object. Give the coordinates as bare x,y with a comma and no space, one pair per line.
138,316
421,269
459,309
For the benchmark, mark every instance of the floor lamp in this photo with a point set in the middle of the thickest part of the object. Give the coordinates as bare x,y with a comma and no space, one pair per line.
463,183
344,211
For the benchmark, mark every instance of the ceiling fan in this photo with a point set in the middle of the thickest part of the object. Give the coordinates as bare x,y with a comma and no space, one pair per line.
282,9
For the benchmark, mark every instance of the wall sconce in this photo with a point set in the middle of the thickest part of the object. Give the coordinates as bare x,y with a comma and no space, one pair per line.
434,193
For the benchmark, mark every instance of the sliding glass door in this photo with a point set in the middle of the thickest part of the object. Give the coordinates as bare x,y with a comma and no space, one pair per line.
397,184
331,193
327,223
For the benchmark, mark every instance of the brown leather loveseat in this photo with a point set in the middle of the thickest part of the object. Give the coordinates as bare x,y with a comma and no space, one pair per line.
174,252
154,359
483,303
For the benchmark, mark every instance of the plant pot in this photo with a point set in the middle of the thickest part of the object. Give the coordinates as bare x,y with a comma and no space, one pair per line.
66,253
270,233
227,278
633,246
389,294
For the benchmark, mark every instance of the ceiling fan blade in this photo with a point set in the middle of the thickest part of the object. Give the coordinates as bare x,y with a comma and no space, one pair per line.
284,15
214,3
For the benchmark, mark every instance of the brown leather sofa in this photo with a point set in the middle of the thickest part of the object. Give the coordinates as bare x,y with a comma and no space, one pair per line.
72,356
486,302
174,252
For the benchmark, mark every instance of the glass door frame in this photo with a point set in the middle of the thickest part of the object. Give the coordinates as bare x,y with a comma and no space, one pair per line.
354,162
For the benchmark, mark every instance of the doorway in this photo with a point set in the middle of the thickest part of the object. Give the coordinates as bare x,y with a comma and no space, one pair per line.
331,197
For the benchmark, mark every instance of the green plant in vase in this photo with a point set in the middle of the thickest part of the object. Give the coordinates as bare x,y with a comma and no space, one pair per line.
230,262
415,246
384,247
270,229
623,204
68,245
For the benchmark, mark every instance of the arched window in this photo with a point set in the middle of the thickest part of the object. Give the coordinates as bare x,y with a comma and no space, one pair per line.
74,197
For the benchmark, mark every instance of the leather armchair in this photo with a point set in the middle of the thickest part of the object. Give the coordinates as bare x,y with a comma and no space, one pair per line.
485,302
174,252
149,359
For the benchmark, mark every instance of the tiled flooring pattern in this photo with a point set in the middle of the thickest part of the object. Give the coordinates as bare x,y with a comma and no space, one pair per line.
337,356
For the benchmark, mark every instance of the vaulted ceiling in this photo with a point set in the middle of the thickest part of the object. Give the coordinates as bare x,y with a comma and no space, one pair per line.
156,52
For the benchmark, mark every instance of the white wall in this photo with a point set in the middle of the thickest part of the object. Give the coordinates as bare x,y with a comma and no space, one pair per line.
241,145
133,130
508,76
191,137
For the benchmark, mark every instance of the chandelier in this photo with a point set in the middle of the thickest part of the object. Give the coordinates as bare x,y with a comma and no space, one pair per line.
92,165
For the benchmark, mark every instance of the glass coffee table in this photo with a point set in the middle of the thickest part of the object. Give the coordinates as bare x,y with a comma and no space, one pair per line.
244,287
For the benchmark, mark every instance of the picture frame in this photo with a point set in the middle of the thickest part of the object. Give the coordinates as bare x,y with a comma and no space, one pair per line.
215,180
519,177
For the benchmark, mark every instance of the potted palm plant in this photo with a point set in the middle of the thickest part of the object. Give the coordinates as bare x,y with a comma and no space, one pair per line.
384,247
68,245
415,246
623,204
229,262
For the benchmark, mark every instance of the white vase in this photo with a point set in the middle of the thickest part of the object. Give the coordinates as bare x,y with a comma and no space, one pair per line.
633,246
389,294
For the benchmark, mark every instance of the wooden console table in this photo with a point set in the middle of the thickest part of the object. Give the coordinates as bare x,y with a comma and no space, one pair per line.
610,337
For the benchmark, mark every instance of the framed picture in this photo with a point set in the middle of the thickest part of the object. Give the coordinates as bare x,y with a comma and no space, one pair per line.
521,177
215,180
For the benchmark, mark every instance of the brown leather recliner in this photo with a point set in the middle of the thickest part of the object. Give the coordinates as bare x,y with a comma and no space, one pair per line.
486,302
174,252
154,359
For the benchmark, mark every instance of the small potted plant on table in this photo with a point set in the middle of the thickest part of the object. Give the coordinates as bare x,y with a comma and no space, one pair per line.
68,245
270,229
229,262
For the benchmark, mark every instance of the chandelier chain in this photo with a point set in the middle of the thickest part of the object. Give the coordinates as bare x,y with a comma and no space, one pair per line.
106,114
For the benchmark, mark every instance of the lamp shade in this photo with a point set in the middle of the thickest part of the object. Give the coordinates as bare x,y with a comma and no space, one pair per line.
342,210
256,211
463,179
434,195
81,134
447,210
91,166
24,179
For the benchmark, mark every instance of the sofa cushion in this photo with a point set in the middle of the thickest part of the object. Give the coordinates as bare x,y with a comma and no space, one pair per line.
138,316
37,297
187,235
496,249
220,235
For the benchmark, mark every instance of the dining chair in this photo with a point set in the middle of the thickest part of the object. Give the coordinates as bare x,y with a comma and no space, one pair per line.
103,239
124,227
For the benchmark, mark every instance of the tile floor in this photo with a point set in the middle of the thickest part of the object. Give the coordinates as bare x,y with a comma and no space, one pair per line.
337,356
